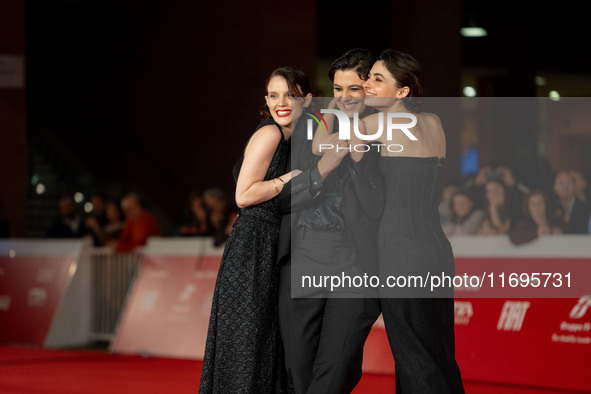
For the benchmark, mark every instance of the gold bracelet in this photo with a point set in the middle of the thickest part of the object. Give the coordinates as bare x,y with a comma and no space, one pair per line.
281,180
275,185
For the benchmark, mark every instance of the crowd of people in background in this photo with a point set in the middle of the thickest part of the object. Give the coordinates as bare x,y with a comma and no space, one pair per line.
493,202
126,224
208,213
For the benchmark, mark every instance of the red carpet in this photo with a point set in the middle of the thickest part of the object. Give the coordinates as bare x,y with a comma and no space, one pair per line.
32,370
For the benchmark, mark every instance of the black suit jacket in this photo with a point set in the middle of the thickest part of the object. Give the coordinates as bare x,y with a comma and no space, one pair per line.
579,218
361,221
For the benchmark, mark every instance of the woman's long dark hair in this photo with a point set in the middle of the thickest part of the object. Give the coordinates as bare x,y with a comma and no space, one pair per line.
505,212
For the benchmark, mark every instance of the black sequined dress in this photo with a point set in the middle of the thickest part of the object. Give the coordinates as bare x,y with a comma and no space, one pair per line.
243,352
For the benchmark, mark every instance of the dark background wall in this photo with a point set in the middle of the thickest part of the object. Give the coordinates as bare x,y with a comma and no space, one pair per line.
160,96
13,131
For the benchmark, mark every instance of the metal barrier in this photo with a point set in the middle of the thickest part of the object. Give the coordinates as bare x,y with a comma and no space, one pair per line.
112,277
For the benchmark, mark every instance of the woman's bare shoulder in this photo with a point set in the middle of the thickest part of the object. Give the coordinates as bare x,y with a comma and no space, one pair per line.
270,129
268,132
265,138
372,121
429,118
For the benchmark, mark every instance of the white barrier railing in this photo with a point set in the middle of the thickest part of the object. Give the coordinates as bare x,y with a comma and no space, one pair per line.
112,275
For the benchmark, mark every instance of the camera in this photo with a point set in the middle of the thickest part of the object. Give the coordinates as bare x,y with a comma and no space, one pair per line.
494,176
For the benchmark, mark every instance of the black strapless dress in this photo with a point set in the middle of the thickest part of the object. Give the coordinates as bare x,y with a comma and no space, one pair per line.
411,242
243,352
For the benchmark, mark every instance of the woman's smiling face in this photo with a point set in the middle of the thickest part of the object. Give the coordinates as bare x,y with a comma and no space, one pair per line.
348,90
280,100
381,86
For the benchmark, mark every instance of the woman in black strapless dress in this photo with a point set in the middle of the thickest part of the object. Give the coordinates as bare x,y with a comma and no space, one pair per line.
419,324
243,352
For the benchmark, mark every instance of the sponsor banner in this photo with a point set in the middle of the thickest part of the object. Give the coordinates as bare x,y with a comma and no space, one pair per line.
533,342
167,313
538,342
31,289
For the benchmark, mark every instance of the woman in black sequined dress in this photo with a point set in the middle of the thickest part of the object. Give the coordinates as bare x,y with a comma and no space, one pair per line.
243,352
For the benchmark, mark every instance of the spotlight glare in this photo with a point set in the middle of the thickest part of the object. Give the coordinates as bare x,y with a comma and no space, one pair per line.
88,207
78,197
554,95
473,32
469,91
40,188
540,81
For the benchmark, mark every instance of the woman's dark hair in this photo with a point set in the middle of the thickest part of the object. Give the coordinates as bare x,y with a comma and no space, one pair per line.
503,186
462,192
506,212
407,72
297,82
528,196
357,59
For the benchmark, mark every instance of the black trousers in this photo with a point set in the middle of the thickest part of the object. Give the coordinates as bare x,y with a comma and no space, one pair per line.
323,337
421,336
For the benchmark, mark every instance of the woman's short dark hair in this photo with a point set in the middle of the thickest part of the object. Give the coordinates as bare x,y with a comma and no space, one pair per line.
298,84
357,59
407,71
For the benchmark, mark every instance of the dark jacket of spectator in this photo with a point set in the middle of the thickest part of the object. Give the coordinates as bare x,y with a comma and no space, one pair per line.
574,212
578,222
69,224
